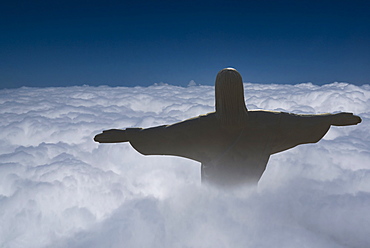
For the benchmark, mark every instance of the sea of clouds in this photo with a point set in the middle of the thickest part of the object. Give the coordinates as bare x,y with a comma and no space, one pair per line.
58,188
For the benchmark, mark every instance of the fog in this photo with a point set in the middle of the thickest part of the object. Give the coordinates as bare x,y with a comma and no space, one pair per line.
58,188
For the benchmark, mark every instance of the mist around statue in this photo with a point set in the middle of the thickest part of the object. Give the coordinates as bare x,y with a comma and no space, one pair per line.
232,143
61,189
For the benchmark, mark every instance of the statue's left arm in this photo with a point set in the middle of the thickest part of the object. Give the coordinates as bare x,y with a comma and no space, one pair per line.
345,119
294,129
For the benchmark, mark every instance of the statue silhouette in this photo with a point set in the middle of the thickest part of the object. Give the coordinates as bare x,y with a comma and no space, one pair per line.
232,143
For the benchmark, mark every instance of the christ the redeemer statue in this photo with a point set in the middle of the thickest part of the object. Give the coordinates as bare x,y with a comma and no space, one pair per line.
232,144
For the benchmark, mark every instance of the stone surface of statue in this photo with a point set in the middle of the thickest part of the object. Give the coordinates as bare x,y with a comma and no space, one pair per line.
232,144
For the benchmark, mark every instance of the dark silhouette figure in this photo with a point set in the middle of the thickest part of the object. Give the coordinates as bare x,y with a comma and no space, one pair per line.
232,143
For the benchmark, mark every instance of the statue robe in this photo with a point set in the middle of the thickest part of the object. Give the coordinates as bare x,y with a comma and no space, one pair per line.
230,156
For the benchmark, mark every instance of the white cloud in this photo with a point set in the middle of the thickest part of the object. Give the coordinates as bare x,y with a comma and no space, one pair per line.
60,189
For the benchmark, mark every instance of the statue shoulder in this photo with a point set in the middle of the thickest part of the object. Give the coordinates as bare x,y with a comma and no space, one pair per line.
208,117
201,119
264,114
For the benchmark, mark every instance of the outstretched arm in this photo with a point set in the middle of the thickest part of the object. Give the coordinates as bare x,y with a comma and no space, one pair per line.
302,129
179,139
345,119
113,136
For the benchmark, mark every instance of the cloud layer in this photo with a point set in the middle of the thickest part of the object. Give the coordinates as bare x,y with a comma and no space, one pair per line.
60,189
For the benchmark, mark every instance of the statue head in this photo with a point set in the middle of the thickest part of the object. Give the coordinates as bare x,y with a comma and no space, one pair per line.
230,105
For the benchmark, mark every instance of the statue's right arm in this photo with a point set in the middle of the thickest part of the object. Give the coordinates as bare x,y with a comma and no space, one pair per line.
179,139
161,140
114,135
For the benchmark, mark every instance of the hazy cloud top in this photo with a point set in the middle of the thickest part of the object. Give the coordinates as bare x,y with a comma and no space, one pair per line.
60,189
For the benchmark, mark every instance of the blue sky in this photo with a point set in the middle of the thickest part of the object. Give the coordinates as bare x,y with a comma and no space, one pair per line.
128,43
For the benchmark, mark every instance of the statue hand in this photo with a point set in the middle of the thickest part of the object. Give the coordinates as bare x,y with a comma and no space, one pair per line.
345,119
111,136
